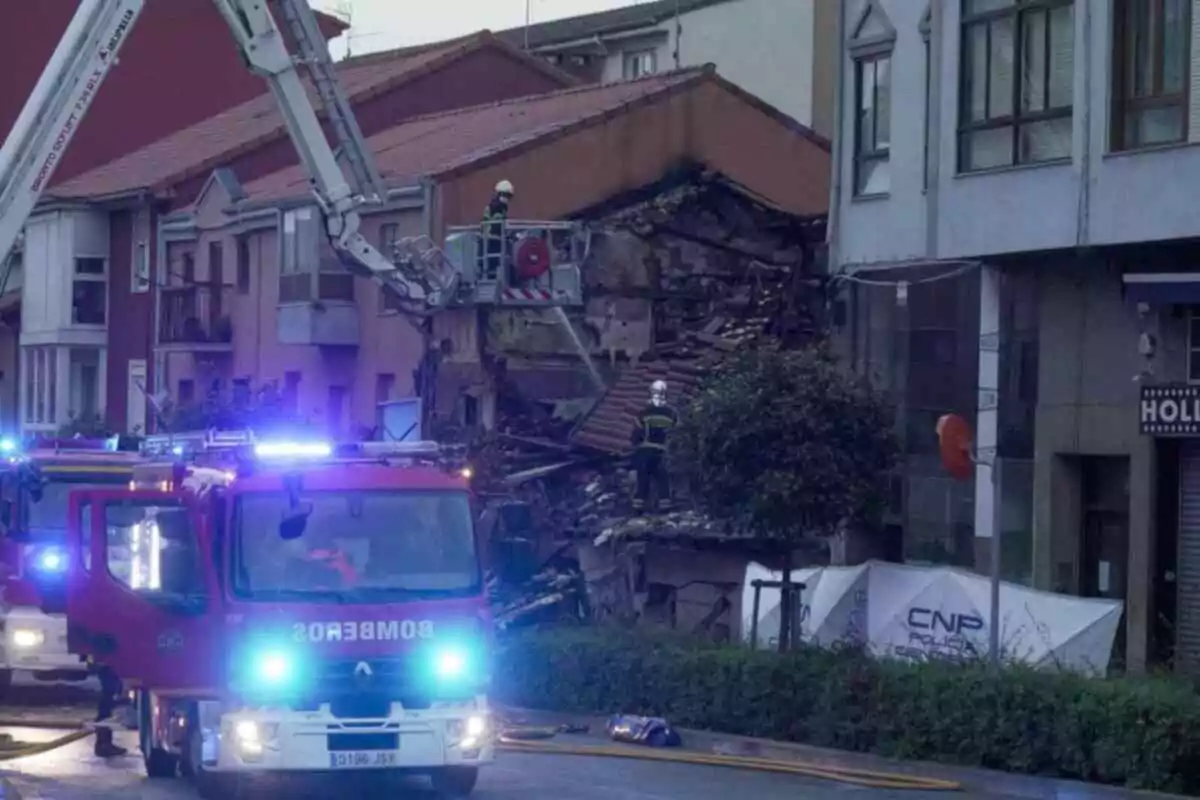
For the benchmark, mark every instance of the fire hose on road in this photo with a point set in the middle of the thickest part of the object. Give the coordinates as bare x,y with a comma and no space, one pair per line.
535,740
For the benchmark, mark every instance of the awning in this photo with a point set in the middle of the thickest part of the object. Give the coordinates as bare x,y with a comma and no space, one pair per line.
1162,288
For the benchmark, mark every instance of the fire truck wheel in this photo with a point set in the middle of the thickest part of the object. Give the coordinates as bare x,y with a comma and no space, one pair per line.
160,764
453,783
210,786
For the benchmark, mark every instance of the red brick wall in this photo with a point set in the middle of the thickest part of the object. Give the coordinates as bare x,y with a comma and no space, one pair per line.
180,66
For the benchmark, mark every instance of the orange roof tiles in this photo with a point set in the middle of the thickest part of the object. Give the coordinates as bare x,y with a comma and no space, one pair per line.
438,143
214,141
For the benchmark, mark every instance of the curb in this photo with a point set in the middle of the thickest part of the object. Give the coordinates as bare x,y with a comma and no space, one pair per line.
972,779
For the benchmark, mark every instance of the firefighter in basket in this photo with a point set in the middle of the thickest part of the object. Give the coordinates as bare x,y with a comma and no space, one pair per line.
492,228
650,438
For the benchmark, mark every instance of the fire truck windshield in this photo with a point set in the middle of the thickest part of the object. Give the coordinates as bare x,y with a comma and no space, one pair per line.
48,516
360,546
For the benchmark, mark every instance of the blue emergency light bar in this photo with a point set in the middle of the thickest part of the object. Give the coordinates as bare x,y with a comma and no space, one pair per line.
61,444
242,443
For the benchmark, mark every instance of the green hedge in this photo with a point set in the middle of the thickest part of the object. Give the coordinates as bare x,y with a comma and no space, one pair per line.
1143,733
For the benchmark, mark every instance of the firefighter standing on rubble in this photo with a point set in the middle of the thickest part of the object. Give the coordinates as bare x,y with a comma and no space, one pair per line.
650,437
494,217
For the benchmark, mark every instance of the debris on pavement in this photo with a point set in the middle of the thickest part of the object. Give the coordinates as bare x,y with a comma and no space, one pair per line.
650,731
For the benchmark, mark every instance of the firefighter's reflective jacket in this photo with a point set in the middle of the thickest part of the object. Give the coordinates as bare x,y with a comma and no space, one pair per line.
494,216
653,427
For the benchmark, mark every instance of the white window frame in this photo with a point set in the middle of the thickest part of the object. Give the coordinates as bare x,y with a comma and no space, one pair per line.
292,259
639,63
39,387
102,277
866,49
139,275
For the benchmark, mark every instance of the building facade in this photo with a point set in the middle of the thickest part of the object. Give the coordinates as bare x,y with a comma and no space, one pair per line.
94,255
177,54
339,351
1012,227
780,50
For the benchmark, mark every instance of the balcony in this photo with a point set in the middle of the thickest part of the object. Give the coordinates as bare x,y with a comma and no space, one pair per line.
317,309
194,318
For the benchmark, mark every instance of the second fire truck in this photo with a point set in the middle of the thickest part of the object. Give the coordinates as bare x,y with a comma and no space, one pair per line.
36,478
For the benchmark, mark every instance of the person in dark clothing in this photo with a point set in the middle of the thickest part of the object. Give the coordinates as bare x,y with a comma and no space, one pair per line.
494,217
650,438
112,695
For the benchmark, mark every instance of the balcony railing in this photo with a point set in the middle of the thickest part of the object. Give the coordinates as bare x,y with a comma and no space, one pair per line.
195,317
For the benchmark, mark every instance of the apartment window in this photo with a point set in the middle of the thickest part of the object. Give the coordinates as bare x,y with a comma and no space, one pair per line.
1193,365
291,391
1151,54
870,46
640,64
873,90
39,376
85,383
141,268
1017,81
335,412
389,235
89,291
243,265
216,263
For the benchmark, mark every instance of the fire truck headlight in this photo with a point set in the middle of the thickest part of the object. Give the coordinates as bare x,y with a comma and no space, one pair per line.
273,668
51,561
8,445
453,663
26,639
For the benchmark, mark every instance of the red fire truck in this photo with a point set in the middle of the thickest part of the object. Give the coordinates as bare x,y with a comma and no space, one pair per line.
36,478
289,606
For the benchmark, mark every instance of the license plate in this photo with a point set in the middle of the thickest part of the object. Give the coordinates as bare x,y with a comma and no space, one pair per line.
362,759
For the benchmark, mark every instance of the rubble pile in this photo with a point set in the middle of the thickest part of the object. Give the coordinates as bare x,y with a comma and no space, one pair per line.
604,515
723,273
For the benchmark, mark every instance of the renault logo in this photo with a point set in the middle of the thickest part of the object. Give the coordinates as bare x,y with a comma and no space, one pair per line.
363,670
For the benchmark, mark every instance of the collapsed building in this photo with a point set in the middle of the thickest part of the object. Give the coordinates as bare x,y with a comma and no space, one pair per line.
682,275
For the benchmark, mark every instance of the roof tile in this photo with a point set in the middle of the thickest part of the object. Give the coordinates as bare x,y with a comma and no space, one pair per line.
438,143
210,143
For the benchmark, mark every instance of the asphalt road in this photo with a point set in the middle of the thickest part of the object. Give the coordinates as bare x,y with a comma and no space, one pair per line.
73,773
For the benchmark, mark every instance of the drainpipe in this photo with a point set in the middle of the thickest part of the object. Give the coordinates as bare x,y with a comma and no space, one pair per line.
1083,210
933,165
832,232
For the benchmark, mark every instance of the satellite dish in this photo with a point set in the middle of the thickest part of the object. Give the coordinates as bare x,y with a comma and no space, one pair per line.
954,442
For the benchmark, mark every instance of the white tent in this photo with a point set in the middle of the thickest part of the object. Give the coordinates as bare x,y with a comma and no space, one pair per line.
917,613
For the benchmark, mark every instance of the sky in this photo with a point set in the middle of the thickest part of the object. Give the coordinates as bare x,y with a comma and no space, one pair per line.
387,24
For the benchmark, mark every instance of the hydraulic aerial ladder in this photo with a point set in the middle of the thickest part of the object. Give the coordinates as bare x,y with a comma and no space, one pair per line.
88,51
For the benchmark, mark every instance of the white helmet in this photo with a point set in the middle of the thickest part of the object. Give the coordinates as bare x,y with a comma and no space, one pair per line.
658,393
505,187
